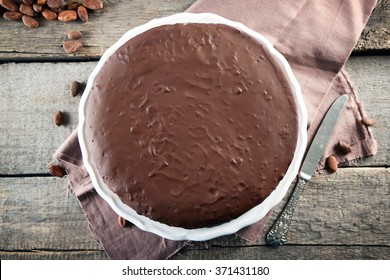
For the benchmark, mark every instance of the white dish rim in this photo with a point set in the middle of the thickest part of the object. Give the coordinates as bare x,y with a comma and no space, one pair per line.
200,234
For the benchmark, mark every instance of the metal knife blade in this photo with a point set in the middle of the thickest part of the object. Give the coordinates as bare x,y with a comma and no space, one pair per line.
277,235
322,137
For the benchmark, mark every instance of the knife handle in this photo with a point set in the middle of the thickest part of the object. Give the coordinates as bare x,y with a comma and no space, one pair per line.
277,235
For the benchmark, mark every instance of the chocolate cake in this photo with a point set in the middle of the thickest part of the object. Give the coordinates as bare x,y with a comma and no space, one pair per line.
191,125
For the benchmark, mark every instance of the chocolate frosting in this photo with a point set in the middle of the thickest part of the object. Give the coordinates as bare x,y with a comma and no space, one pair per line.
191,125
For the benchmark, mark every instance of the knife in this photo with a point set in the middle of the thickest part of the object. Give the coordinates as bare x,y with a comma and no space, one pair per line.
277,235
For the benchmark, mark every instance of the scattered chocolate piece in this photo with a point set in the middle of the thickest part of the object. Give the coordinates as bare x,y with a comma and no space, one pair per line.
122,221
367,121
59,118
332,164
344,147
72,46
57,170
74,34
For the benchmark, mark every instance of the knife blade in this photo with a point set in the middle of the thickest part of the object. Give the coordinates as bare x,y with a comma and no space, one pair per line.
277,235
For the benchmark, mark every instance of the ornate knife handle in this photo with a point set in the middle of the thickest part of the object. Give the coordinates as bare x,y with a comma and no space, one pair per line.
277,235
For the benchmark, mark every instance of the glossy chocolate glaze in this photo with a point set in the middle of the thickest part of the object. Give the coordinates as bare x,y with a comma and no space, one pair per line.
191,125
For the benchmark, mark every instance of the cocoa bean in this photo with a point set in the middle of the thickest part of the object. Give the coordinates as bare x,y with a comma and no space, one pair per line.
72,46
344,147
67,16
29,22
37,8
332,164
83,13
9,5
59,118
27,10
76,88
28,2
74,34
41,2
56,5
122,221
49,14
72,5
367,121
56,170
93,4
12,15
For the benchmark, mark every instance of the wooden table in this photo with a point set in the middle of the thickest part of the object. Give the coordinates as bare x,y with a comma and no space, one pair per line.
345,215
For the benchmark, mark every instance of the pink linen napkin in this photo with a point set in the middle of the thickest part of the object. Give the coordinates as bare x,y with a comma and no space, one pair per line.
316,37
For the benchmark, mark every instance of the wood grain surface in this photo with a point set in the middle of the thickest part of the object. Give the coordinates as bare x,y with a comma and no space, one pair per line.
106,26
345,215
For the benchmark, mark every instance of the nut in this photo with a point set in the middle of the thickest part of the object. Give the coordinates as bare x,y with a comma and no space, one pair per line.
49,14
83,13
12,15
122,221
367,121
59,118
93,4
344,147
332,164
27,10
72,46
74,34
9,5
57,170
29,22
67,16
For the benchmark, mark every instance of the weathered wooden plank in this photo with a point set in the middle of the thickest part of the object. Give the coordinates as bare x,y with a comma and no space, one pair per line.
103,29
376,34
54,255
40,212
106,26
32,92
347,208
30,96
286,252
373,91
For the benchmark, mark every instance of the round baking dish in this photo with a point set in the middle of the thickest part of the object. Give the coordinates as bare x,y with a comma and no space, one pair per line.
205,233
